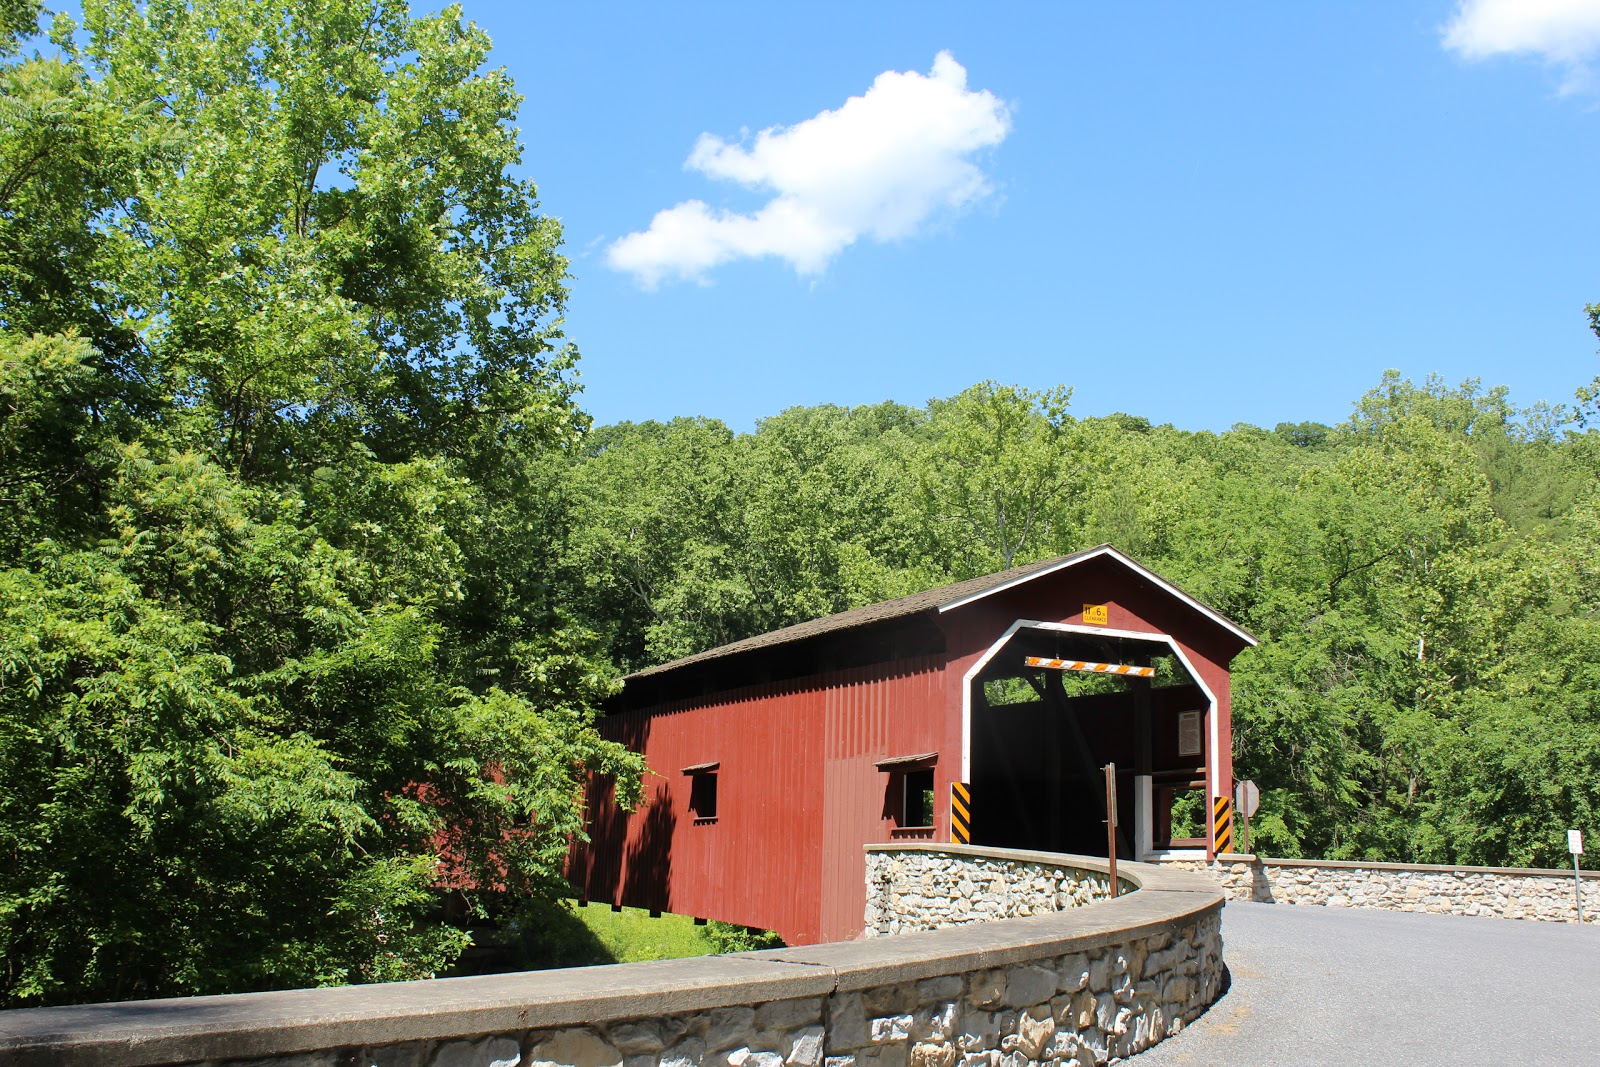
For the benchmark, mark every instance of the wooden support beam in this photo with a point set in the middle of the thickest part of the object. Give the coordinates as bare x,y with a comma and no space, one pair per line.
1144,744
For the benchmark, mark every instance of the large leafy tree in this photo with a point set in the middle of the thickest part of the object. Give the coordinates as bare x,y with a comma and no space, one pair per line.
686,536
993,475
283,406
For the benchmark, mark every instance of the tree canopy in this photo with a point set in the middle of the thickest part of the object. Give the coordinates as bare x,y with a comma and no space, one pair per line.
283,401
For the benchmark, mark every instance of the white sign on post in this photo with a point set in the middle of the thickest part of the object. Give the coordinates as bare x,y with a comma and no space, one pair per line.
1575,842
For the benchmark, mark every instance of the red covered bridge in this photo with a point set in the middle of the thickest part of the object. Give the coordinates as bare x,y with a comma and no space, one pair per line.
775,759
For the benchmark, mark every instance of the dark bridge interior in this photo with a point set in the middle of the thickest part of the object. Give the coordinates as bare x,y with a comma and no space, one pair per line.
1041,736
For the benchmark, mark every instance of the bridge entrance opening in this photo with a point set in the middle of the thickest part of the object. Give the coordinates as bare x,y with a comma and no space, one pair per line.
1051,708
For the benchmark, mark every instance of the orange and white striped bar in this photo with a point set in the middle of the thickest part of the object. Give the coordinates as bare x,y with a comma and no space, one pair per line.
1092,668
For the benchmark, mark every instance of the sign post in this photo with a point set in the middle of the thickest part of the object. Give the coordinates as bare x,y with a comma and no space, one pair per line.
1111,822
1575,846
1246,801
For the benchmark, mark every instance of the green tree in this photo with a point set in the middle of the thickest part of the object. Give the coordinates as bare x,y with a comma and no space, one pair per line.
685,535
996,460
1589,395
284,406
657,545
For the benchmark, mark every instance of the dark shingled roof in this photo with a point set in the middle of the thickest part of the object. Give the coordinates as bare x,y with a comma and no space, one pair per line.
931,600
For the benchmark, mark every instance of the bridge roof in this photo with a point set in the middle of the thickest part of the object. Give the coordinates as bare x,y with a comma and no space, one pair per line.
944,598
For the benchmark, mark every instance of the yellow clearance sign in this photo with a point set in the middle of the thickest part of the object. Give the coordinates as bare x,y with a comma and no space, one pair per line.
1095,615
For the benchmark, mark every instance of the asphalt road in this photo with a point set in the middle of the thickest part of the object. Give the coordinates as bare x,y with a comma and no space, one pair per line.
1314,985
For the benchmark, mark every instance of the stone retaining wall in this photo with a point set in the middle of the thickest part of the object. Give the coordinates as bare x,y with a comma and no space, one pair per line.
933,887
1502,892
1066,989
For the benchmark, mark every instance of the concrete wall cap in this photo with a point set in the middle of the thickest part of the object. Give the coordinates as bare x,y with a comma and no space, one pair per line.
1141,876
898,958
246,1025
1375,865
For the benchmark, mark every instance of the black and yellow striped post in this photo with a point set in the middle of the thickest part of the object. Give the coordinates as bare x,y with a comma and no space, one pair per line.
961,813
1222,824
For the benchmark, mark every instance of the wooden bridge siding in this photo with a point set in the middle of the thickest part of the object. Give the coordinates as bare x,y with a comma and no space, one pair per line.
798,790
870,714
741,867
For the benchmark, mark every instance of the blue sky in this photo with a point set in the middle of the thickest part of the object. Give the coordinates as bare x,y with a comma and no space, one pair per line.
1203,214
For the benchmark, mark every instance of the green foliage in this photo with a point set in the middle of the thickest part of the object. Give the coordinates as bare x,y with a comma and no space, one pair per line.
284,412
1588,396
685,536
633,936
1189,814
1003,454
1424,577
729,937
557,933
18,19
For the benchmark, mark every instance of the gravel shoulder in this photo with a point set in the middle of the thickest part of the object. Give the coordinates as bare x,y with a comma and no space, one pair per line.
1315,985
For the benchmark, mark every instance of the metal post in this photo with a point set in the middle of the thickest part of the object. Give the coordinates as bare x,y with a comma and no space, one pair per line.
1111,822
1575,846
1577,886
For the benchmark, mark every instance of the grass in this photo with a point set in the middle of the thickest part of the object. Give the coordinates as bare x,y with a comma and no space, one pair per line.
561,934
630,935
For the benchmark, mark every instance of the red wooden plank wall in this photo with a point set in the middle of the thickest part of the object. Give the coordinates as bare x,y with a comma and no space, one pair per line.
872,713
798,797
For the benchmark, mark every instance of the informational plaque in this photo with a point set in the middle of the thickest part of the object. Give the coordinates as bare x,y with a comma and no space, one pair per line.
1095,615
1189,743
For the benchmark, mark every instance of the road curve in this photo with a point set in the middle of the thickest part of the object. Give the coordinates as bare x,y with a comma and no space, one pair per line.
1314,985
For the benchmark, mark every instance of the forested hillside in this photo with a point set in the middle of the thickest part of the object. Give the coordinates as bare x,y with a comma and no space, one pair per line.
1424,577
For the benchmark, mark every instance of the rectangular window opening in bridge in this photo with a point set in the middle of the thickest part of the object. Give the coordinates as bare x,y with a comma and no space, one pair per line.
1181,813
908,799
703,791
917,801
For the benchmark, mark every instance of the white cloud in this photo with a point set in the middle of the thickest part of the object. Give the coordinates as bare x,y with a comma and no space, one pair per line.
881,166
1565,32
